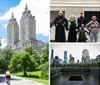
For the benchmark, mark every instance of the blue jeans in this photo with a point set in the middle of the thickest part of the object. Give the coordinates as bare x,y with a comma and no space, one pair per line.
93,37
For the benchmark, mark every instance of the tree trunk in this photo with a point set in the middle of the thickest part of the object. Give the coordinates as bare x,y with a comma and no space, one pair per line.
25,74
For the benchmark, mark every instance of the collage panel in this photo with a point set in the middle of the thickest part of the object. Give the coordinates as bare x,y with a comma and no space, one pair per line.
24,42
75,21
74,64
74,42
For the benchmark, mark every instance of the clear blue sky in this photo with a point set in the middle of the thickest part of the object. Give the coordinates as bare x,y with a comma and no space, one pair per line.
5,5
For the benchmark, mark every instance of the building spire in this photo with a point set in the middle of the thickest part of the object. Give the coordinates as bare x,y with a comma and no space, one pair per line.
26,7
12,16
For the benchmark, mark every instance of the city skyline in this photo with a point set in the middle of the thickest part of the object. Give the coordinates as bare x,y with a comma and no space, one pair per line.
17,7
93,49
27,32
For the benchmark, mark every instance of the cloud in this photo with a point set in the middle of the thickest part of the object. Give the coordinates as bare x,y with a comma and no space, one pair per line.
38,8
5,25
4,43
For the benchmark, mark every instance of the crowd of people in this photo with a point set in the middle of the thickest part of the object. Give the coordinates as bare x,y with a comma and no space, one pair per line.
75,27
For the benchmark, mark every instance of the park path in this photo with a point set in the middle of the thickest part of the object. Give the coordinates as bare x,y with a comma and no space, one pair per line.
18,81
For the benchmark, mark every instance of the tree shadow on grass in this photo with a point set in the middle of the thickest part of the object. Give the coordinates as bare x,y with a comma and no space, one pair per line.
29,76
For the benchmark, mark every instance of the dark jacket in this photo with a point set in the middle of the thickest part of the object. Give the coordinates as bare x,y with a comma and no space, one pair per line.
61,23
81,20
72,32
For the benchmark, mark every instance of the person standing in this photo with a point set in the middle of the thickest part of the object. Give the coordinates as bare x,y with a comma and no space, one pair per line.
72,35
94,28
61,23
81,20
82,34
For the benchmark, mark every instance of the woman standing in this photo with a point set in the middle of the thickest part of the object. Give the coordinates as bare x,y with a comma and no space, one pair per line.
60,23
94,29
72,36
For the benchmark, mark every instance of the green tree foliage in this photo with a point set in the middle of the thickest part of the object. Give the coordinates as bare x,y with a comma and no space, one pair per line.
23,62
45,54
5,57
3,64
96,64
44,62
29,50
28,60
7,53
35,55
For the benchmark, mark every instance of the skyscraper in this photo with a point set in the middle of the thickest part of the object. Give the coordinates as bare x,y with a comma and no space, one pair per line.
27,26
71,60
12,31
52,54
27,33
85,56
65,57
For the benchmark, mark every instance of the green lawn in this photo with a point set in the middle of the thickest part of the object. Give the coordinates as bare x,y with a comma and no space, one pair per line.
35,76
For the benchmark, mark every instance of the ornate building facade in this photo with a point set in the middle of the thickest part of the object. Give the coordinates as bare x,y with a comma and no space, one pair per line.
88,7
27,33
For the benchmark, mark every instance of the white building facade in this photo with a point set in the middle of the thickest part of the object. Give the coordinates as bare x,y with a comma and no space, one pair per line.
88,7
27,33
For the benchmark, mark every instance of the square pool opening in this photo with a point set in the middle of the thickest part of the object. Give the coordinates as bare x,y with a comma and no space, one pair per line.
75,78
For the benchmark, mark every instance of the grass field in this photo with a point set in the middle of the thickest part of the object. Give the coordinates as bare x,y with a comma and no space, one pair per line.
34,76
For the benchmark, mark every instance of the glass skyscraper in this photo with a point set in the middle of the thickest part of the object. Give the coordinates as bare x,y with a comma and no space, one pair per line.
52,54
65,57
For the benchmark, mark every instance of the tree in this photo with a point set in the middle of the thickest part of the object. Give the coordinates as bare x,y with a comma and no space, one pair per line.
3,64
7,53
45,54
35,55
29,50
44,62
23,62
5,57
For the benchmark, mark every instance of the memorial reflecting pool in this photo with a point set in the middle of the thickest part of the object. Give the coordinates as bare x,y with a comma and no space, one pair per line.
70,78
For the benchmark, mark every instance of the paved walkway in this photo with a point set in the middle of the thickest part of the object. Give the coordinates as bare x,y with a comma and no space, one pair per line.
18,81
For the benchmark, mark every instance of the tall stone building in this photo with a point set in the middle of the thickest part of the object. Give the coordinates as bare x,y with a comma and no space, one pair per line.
85,56
27,33
12,31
